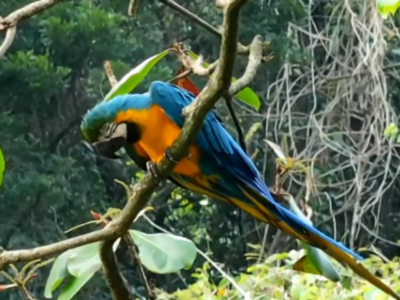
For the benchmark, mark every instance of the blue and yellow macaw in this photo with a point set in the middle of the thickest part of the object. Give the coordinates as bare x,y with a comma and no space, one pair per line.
148,124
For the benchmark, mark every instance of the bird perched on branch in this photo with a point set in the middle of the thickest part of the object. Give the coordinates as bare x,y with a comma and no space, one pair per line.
148,124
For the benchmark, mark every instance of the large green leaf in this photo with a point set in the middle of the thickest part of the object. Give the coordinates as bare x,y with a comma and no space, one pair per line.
315,261
246,95
387,7
164,253
2,166
81,263
72,287
58,272
87,259
134,77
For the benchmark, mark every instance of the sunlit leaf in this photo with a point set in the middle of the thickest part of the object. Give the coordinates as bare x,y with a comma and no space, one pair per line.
74,286
86,259
277,150
387,7
58,272
246,95
164,253
2,166
315,261
134,77
79,263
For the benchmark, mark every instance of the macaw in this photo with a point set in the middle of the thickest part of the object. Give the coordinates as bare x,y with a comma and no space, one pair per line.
216,166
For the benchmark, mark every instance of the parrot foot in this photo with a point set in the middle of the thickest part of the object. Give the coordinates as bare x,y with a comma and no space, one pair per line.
152,169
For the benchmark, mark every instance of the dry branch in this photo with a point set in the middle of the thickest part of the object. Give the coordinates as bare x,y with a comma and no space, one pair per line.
26,12
195,113
112,273
10,36
10,22
243,50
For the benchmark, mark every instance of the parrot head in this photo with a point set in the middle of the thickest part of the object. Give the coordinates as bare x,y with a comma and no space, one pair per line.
103,134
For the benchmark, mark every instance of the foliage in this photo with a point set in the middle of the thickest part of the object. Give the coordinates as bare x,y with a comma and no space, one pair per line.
331,90
274,279
387,7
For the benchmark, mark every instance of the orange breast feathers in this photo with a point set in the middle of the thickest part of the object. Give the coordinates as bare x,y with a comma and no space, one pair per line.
158,133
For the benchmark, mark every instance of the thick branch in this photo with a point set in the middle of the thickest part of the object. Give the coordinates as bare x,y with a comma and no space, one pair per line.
142,191
112,273
26,12
10,36
10,22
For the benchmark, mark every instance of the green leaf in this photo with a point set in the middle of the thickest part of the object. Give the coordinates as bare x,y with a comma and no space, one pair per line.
79,262
87,259
134,77
386,7
2,166
74,286
316,261
247,96
58,272
164,253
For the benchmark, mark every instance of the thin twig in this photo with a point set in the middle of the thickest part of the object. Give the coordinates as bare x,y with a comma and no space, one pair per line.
175,6
180,76
136,260
10,22
242,142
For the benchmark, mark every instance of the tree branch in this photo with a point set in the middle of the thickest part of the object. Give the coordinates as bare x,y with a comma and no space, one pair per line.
242,142
26,12
10,22
112,273
195,114
243,50
10,36
255,58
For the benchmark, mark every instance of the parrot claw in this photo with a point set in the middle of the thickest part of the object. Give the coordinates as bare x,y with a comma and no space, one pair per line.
168,155
152,169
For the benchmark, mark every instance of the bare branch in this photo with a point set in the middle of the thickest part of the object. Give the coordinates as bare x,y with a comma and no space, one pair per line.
112,273
10,36
255,58
110,73
142,191
175,6
10,22
132,7
242,142
26,12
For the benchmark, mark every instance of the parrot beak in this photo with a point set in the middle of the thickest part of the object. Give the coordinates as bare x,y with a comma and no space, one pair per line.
108,147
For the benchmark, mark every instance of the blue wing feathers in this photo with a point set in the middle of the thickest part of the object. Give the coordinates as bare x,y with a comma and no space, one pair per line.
231,159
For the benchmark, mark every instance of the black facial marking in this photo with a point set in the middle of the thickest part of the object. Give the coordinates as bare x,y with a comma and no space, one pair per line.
134,133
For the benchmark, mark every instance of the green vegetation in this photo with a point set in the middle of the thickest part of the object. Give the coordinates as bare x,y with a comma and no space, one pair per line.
329,97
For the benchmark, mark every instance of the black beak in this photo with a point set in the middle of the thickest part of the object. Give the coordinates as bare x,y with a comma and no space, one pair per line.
109,147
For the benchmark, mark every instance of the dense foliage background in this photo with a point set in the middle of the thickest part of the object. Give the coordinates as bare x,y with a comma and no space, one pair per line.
328,94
